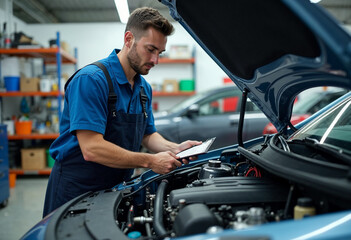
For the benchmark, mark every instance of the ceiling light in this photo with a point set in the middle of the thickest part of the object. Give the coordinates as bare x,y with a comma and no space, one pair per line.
123,10
315,1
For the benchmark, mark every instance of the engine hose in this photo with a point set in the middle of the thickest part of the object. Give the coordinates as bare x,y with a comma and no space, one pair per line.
130,216
147,225
158,209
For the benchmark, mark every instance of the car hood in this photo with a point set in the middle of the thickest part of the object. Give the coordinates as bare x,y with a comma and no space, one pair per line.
274,49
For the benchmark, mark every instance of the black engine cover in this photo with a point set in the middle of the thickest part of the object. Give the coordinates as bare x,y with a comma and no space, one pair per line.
231,190
193,219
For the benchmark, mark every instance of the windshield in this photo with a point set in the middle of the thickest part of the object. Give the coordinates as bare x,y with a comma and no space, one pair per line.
332,128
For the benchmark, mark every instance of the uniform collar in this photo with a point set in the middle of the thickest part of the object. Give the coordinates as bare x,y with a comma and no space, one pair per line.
118,70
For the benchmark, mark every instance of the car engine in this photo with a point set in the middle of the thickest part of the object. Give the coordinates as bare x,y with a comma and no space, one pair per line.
209,197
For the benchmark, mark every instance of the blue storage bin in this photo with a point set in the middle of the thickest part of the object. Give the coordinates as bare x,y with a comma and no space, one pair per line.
12,83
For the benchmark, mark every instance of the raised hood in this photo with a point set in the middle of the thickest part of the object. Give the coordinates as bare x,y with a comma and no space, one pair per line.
273,48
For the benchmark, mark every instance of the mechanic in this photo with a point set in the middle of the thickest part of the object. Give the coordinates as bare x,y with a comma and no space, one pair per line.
107,115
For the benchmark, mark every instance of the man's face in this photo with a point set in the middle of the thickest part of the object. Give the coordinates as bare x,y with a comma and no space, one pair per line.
144,53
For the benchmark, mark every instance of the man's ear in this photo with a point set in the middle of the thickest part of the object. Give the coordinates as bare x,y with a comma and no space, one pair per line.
128,39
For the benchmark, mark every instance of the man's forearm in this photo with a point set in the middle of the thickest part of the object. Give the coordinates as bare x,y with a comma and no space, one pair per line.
156,143
96,149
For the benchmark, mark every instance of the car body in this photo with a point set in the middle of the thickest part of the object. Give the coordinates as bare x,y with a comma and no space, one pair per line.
272,50
211,113
308,104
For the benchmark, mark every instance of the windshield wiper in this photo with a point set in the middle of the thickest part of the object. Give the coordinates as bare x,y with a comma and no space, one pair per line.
338,154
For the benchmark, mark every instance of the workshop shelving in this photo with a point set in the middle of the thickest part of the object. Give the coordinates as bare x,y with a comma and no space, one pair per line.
163,99
166,61
53,55
176,61
24,94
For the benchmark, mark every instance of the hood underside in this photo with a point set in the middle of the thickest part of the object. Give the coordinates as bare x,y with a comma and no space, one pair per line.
275,49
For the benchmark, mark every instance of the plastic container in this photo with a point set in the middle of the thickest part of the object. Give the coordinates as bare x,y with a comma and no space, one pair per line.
50,160
45,85
304,208
12,84
10,127
186,85
23,127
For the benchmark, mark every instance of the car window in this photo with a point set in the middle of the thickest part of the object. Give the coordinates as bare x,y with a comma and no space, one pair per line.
187,102
224,102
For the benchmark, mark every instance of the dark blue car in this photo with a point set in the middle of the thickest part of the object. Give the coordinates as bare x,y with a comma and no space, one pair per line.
294,184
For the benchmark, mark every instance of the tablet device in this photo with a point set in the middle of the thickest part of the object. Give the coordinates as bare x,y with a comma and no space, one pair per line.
197,149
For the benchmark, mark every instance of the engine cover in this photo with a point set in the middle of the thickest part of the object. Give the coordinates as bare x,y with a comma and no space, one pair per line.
230,190
193,219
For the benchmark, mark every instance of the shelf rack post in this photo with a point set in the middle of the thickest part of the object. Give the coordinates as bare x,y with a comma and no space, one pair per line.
194,67
76,57
59,62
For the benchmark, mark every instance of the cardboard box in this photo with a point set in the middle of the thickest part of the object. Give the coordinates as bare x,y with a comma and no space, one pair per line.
29,84
65,46
170,86
33,158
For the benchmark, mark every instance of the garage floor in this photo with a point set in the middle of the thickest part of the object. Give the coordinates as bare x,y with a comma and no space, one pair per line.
24,209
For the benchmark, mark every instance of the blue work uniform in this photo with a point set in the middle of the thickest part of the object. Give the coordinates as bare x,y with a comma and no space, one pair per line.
87,106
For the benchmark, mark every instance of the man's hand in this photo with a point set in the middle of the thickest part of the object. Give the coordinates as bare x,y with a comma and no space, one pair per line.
165,162
185,145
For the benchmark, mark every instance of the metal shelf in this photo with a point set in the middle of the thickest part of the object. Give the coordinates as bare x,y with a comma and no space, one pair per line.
48,54
19,171
176,61
20,94
34,136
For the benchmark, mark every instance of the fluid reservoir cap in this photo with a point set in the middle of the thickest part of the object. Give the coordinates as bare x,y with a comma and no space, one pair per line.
214,163
134,235
305,202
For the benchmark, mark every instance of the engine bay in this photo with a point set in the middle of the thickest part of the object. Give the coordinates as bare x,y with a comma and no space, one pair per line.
231,192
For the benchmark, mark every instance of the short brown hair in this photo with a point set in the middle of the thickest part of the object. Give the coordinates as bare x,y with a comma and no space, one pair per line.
143,18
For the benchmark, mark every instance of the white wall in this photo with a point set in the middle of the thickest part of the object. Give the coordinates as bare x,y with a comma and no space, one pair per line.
5,17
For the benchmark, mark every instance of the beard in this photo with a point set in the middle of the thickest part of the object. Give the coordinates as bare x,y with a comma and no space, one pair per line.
134,60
